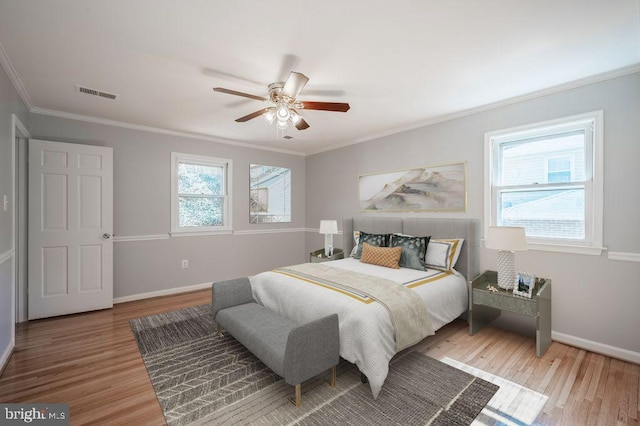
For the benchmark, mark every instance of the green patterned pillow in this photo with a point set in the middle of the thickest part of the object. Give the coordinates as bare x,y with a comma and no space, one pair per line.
414,250
378,240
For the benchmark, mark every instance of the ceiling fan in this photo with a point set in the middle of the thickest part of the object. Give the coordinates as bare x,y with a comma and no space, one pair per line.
283,104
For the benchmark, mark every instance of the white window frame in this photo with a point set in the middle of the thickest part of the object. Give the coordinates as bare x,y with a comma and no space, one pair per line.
227,165
594,188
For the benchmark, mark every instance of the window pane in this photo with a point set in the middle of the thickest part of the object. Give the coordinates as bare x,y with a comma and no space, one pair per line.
200,179
200,211
553,213
544,159
269,194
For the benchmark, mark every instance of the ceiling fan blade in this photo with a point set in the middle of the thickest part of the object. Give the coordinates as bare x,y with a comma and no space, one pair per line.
289,62
294,84
252,115
301,125
233,92
326,106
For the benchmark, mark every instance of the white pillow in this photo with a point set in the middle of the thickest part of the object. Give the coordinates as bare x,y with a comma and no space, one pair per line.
356,240
443,253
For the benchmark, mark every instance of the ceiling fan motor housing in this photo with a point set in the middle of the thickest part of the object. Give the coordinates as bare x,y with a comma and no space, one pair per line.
275,89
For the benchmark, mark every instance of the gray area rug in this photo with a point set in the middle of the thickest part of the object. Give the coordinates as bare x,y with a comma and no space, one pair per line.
200,378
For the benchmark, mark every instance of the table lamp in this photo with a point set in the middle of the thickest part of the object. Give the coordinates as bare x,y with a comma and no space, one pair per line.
507,240
328,228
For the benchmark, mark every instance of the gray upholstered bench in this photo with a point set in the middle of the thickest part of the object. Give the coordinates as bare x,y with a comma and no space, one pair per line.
296,352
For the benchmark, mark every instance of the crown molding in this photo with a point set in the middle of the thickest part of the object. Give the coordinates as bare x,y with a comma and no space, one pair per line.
17,84
609,75
125,125
13,77
15,80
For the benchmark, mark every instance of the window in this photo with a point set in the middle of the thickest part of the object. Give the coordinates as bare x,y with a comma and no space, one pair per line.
547,178
200,195
269,194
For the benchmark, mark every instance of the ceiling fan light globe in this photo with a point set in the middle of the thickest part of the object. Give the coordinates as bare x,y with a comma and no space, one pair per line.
270,116
282,124
283,112
295,117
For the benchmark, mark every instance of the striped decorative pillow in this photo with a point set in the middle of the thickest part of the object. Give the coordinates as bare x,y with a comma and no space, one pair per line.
443,254
388,257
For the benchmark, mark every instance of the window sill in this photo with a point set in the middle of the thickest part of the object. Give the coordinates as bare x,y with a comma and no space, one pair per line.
561,248
200,233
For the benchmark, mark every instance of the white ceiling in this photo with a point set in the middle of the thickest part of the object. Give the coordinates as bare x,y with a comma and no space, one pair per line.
398,63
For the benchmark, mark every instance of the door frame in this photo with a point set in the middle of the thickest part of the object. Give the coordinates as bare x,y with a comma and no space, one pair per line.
19,135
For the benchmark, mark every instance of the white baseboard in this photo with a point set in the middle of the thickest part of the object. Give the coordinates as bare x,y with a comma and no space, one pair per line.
601,348
167,292
4,360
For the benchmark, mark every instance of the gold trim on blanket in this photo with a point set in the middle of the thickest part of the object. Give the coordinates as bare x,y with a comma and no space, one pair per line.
361,297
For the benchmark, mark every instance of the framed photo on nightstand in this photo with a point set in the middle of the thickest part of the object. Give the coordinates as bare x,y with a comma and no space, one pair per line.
524,285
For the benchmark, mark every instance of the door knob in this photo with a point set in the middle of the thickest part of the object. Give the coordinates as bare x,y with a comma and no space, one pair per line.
106,236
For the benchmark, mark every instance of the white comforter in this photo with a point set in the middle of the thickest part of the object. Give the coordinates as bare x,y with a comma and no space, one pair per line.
366,332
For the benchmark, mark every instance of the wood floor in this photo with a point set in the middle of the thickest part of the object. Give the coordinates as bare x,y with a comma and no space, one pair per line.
91,362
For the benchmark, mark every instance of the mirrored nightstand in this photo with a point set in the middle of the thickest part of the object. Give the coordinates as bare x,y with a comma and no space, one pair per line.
318,255
486,305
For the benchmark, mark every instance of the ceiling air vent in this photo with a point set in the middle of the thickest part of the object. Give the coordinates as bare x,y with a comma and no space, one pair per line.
287,137
95,92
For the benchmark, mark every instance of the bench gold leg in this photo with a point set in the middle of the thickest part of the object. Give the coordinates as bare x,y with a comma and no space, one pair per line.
298,400
332,383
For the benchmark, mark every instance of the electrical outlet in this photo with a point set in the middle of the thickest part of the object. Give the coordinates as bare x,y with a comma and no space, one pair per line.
185,263
5,202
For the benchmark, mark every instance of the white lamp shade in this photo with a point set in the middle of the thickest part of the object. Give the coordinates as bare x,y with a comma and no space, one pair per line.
328,226
508,238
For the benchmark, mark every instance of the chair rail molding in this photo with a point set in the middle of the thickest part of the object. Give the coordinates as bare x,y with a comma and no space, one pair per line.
267,231
128,238
625,256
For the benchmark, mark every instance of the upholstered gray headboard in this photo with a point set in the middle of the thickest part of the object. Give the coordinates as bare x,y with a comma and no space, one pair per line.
469,261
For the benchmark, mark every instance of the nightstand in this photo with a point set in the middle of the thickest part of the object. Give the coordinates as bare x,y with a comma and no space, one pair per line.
313,256
485,306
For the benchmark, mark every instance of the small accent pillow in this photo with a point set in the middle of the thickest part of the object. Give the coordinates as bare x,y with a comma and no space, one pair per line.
378,240
443,253
383,256
414,250
356,240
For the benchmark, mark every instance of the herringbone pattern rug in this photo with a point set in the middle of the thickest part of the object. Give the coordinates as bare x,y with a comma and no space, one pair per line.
200,378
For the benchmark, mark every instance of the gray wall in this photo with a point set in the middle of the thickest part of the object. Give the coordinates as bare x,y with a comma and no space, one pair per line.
594,298
10,103
142,207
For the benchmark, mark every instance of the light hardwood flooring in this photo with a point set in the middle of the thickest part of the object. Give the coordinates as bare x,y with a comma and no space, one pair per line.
91,361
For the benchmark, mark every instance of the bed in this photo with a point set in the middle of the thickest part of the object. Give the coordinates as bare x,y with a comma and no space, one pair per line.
368,330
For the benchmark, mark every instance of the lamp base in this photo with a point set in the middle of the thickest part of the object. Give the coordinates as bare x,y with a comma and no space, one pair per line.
328,245
506,269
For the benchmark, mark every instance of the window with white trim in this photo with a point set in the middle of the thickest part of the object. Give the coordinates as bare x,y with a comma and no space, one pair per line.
200,194
547,178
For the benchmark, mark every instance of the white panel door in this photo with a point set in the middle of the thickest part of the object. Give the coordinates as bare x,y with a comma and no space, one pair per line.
70,228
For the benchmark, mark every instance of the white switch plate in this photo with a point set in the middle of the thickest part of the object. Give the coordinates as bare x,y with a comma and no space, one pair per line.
185,263
5,202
